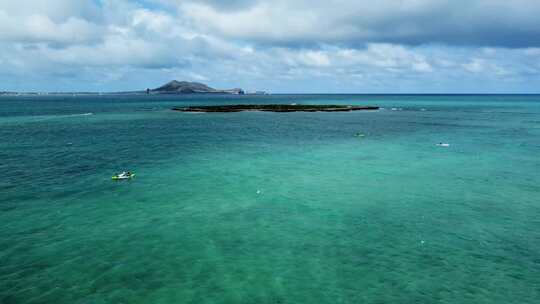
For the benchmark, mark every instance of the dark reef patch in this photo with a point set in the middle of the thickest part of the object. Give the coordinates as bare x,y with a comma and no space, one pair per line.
276,108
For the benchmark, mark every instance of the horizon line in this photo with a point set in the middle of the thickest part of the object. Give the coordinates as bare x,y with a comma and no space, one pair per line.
43,93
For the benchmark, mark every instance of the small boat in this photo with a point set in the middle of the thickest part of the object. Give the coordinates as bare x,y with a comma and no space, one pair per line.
123,175
443,145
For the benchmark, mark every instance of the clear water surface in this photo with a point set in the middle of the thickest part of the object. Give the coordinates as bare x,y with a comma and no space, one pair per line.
260,207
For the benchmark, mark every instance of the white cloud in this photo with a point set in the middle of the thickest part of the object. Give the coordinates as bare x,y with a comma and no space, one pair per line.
41,28
345,45
314,58
486,67
56,10
532,52
476,65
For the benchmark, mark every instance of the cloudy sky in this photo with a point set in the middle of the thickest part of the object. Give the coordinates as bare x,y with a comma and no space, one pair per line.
333,46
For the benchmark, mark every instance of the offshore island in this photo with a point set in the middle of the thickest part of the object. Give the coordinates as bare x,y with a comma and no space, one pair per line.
276,108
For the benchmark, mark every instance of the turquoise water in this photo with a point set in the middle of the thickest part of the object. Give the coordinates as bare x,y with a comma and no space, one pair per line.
270,207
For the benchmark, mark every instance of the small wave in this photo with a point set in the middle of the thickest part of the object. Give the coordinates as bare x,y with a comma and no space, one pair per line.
40,118
83,114
71,115
65,116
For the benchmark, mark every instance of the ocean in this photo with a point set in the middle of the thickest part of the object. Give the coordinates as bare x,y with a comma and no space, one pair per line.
258,207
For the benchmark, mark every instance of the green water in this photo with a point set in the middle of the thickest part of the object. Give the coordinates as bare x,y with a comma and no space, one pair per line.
270,207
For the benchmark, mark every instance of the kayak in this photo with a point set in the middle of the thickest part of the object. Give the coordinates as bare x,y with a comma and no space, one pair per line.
127,176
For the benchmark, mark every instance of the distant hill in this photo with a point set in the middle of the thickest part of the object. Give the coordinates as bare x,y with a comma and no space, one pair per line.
186,87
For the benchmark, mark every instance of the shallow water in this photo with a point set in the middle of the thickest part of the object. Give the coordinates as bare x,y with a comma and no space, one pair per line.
270,207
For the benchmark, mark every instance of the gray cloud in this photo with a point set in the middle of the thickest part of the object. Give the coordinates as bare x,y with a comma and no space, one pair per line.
415,22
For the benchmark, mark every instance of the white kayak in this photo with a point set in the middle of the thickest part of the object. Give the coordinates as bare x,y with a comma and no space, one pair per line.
123,176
